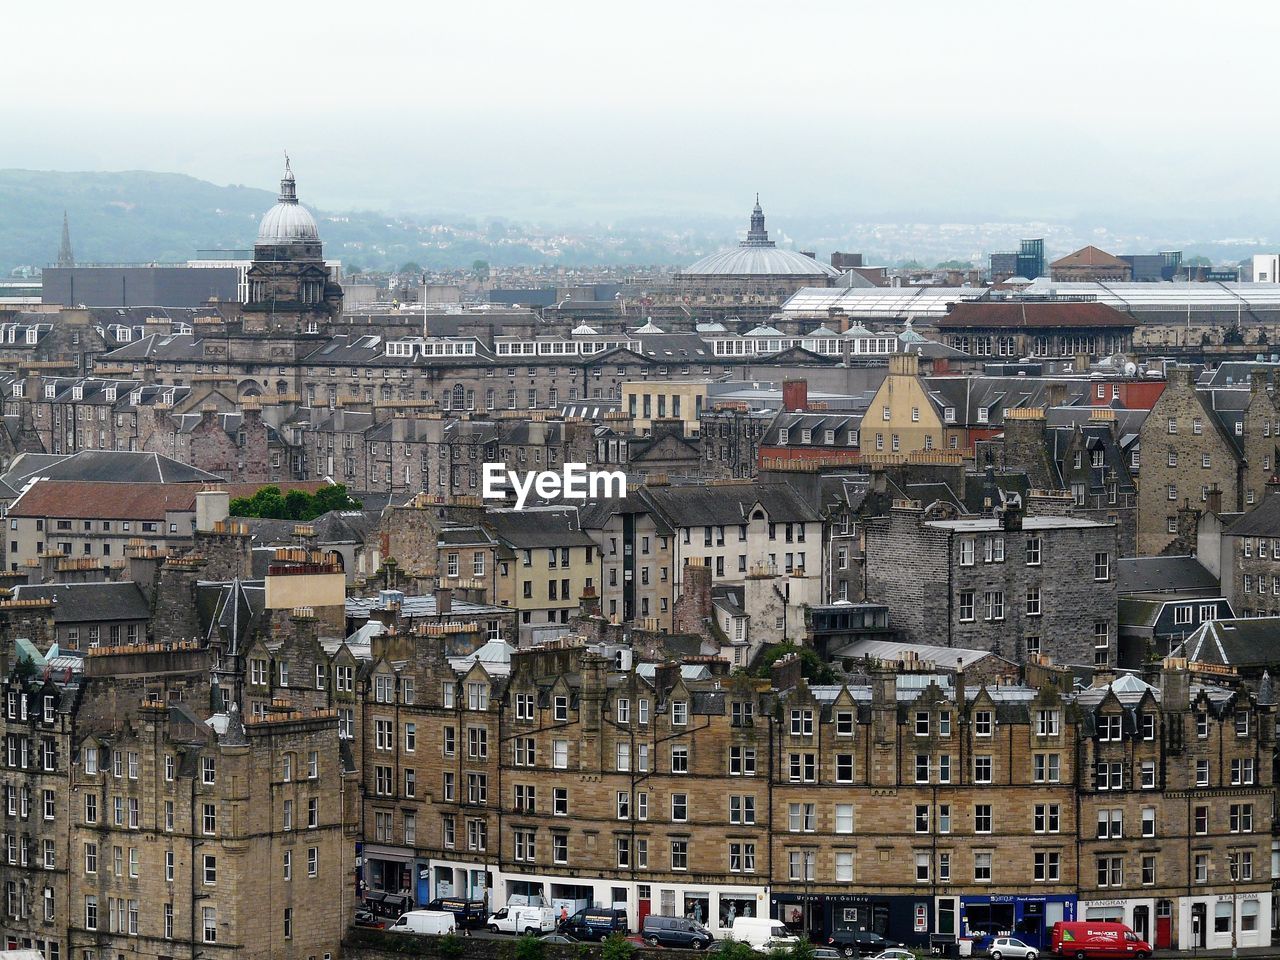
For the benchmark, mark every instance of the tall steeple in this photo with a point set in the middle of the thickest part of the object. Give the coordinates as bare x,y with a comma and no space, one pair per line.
65,257
757,236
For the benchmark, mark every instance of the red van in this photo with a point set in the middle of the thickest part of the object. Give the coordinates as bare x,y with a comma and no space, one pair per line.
1084,940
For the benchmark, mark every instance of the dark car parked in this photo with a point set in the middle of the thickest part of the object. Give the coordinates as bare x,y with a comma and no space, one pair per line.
594,924
860,943
675,932
466,913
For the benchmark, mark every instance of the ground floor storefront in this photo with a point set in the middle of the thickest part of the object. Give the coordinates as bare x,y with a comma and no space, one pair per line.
1151,918
1216,921
391,880
716,907
1028,917
821,916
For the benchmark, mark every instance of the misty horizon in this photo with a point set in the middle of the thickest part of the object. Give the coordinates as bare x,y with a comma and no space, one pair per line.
990,112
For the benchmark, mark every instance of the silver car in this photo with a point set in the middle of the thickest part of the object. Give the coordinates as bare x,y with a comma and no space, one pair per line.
1011,947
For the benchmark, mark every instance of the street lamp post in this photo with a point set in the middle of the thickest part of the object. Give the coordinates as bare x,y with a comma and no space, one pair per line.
1233,864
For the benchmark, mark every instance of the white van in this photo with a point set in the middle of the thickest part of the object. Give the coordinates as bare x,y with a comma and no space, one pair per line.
425,921
519,918
762,933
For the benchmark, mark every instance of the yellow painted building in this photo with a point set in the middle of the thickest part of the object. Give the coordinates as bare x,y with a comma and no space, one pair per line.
901,417
681,400
545,561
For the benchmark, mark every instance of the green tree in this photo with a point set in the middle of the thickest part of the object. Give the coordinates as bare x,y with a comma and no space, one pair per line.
617,947
25,669
409,267
737,950
270,504
480,269
296,504
334,497
450,946
812,667
529,948
352,270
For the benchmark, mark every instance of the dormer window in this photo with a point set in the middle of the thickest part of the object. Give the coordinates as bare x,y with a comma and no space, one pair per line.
679,712
949,415
50,391
77,392
983,414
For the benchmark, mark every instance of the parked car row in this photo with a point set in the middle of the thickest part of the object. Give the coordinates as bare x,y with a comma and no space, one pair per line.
448,915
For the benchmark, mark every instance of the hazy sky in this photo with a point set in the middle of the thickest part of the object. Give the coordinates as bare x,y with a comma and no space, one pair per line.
568,110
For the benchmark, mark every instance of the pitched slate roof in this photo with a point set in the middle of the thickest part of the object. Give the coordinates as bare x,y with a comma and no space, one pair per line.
1262,521
89,602
114,466
730,503
1162,574
1243,642
538,527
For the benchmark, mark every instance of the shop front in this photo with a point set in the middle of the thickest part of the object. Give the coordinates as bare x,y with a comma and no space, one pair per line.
389,880
819,916
1029,918
1224,920
1151,919
467,881
716,907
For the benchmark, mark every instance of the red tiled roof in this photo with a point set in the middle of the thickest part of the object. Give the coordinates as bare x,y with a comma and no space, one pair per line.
1043,314
105,501
130,501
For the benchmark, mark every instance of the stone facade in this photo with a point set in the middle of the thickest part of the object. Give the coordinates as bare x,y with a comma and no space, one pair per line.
1186,453
577,780
1011,584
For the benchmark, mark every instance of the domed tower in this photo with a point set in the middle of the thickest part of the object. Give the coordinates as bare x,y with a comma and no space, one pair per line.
291,289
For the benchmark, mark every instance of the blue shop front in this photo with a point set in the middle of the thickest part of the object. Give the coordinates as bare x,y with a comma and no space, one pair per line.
819,916
1029,918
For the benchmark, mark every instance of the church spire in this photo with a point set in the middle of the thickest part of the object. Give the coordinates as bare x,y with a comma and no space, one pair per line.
65,257
757,236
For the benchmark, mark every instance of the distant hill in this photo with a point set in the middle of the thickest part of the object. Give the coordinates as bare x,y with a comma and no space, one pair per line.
122,217
137,216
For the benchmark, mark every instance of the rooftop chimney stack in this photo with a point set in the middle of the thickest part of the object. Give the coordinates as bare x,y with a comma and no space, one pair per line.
795,395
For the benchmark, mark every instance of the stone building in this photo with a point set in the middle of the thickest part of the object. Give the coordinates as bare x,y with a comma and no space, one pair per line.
1250,558
570,773
756,267
1190,447
1084,460
291,289
139,823
1015,584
